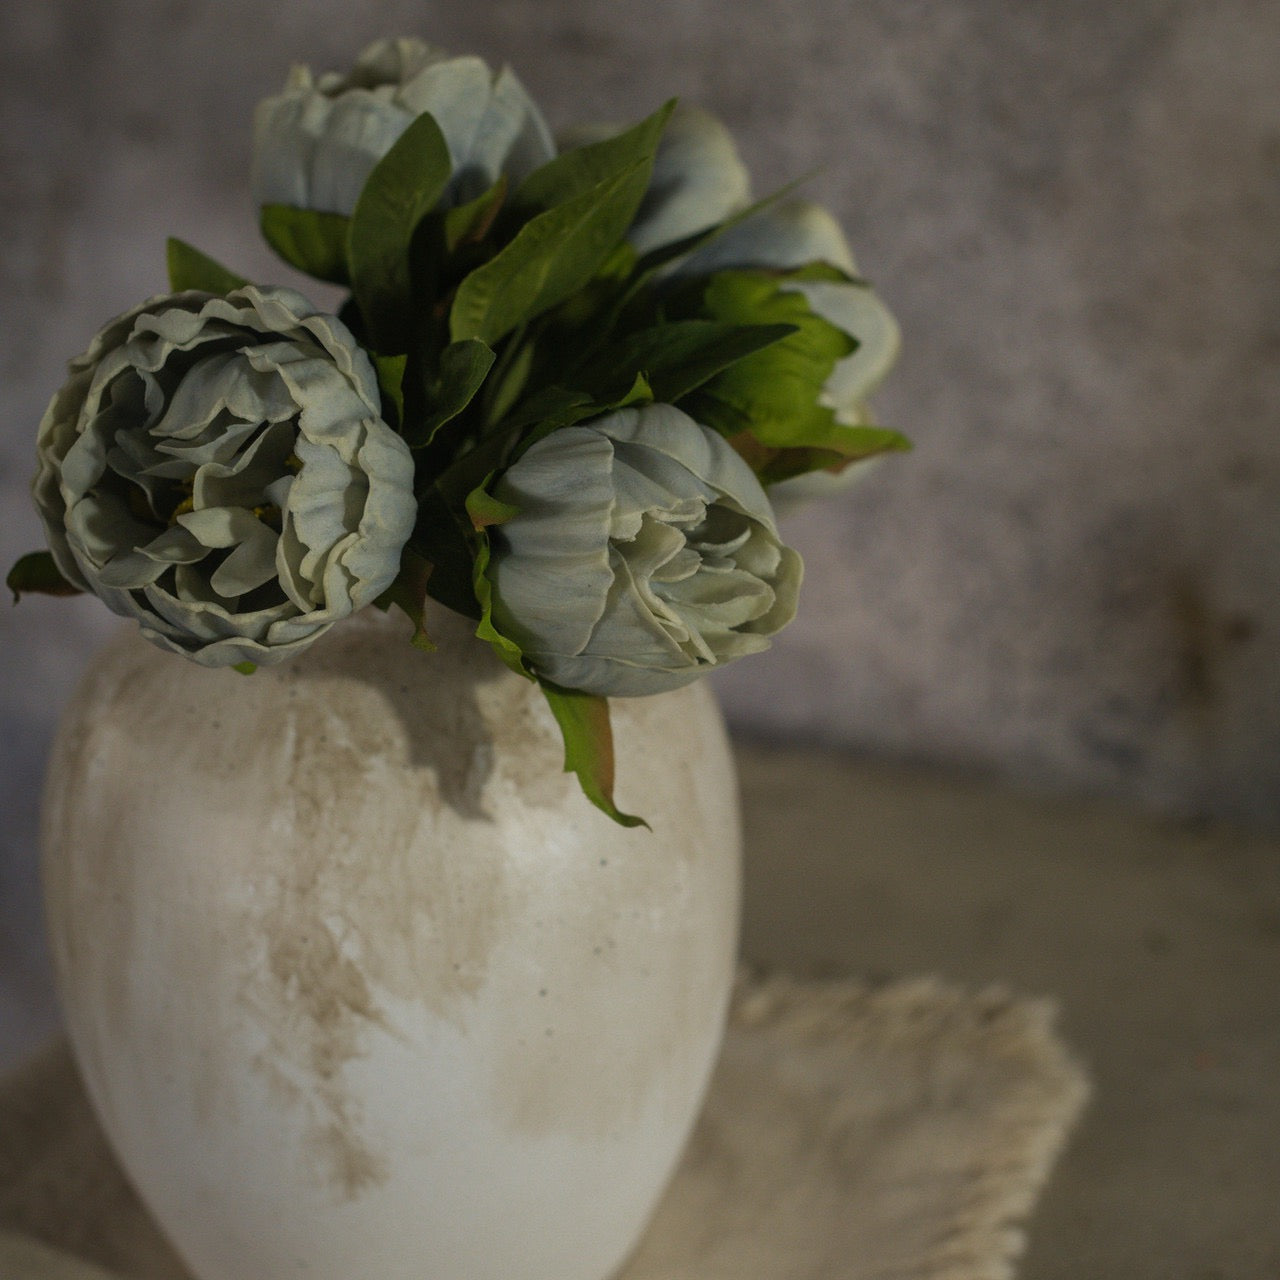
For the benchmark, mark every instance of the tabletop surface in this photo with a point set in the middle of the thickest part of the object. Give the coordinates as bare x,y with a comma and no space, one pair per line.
1160,942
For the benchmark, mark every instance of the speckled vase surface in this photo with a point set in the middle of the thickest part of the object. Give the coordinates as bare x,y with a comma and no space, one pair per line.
359,983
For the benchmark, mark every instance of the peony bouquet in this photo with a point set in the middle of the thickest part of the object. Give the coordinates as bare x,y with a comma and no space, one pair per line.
566,387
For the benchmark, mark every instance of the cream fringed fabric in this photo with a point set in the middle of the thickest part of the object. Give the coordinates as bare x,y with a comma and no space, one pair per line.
862,1133
852,1132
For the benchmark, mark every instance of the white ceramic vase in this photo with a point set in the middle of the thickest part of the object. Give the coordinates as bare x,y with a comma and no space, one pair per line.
360,984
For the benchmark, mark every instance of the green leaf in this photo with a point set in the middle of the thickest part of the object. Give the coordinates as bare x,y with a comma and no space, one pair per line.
666,254
314,242
770,403
772,464
409,594
555,407
191,269
485,510
559,406
469,223
402,189
574,173
245,668
510,379
546,411
588,747
37,574
775,392
552,256
681,355
463,369
390,371
506,648
444,537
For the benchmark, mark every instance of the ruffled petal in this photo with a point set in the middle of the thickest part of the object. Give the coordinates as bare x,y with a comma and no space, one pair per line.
216,467
643,553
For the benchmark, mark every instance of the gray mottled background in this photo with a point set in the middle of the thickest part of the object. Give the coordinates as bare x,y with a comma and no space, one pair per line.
1073,208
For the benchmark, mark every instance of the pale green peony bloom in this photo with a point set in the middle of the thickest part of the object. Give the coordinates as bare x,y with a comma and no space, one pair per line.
218,469
644,554
316,142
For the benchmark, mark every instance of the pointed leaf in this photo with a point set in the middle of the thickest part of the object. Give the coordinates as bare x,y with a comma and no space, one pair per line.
390,371
191,269
314,242
409,594
666,254
772,464
403,188
469,223
37,574
547,411
552,256
445,538
678,357
640,392
485,510
463,369
506,648
562,406
575,172
777,392
588,747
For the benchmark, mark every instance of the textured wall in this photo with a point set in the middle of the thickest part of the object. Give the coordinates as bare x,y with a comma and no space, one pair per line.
1072,208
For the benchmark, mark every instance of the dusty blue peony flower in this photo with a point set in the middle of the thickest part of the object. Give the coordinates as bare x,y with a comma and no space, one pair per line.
218,469
644,554
317,140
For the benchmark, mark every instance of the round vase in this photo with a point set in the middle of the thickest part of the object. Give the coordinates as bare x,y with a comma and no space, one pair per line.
358,981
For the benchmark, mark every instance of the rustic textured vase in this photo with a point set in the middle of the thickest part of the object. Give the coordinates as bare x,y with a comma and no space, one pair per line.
359,983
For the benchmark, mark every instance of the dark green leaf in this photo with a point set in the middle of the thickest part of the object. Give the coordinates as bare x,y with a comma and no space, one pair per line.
678,357
444,537
667,254
588,747
510,377
402,189
547,411
561,406
574,173
314,242
469,223
37,574
552,256
191,269
409,594
463,369
555,407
